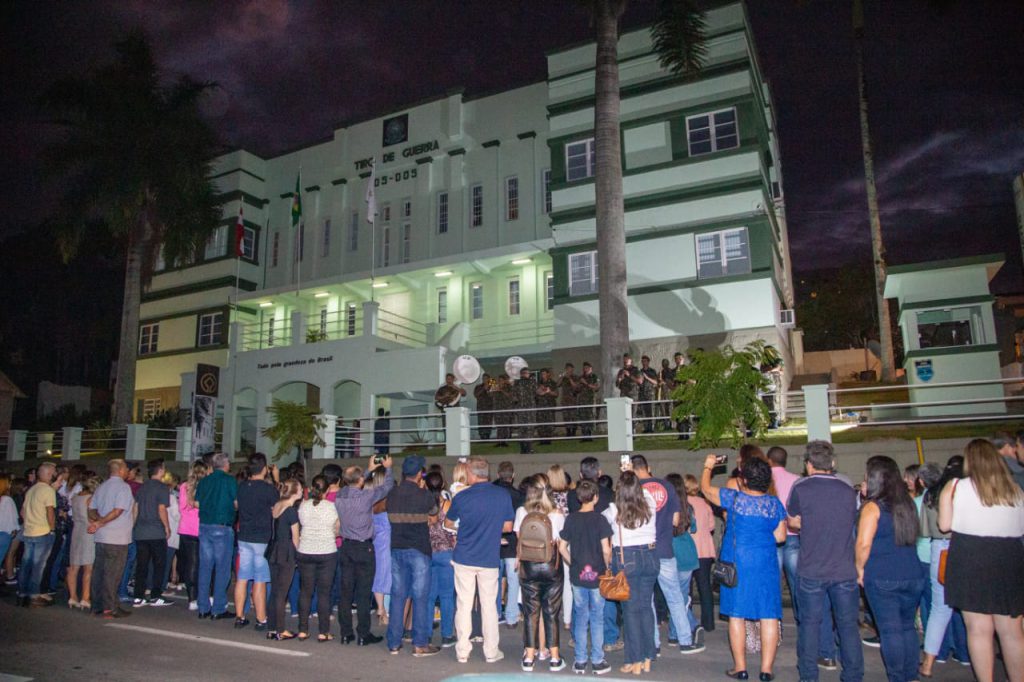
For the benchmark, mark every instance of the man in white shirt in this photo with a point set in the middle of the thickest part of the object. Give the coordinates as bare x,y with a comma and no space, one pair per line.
110,519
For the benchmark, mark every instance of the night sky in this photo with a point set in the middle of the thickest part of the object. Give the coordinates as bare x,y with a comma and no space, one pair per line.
946,82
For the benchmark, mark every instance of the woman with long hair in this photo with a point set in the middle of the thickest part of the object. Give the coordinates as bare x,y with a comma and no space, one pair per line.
83,545
381,547
282,556
560,485
985,512
442,572
317,557
704,517
684,549
631,516
887,565
756,524
541,583
9,525
188,532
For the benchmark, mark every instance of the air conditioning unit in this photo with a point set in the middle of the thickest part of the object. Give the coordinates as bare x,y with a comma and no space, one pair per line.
787,318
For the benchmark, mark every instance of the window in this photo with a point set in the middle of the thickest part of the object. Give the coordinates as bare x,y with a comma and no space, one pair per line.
249,243
274,251
350,319
325,246
476,205
406,242
949,327
149,335
302,240
723,253
323,321
210,329
512,198
270,331
148,407
385,248
513,297
407,208
579,160
353,232
549,288
217,244
476,301
442,306
583,273
546,187
385,213
712,132
442,212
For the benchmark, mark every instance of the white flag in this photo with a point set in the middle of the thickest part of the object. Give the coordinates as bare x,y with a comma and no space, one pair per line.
371,195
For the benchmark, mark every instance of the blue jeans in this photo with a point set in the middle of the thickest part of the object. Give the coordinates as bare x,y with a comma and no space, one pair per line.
509,572
216,547
129,571
815,598
442,589
33,561
939,636
5,544
588,612
684,587
410,578
642,569
668,580
894,603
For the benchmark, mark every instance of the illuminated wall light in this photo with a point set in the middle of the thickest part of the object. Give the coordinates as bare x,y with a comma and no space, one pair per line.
443,273
521,261
266,304
379,285
321,294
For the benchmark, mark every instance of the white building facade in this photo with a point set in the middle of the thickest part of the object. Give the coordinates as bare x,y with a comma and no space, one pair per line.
483,243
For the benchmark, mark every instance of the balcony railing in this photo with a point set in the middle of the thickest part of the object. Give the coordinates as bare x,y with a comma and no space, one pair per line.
483,336
401,329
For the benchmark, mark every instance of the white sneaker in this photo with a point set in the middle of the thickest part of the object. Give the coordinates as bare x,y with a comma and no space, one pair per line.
159,601
138,602
193,606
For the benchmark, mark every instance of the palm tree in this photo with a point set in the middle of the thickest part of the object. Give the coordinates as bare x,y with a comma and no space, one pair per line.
296,428
874,217
678,34
134,158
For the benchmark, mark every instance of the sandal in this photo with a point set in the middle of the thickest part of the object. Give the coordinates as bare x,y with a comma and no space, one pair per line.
303,636
325,638
282,636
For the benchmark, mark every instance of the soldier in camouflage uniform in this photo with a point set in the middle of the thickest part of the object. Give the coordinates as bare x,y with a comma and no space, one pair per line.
547,395
484,403
649,381
568,387
501,398
668,384
628,382
589,385
524,398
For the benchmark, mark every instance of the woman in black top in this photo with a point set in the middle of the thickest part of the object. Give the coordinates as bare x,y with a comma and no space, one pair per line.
281,556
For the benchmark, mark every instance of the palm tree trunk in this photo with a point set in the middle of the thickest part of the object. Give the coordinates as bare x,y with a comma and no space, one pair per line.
877,245
127,354
611,233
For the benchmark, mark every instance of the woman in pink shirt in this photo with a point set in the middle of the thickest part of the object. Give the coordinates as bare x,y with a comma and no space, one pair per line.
188,532
705,550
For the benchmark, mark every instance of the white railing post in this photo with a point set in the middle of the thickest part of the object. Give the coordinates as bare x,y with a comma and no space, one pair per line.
298,328
816,411
456,431
16,445
620,424
71,447
329,434
371,318
235,337
135,441
183,444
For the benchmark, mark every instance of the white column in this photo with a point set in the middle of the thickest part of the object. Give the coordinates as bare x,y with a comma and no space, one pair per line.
135,441
371,309
263,420
235,338
71,445
816,410
620,424
16,445
183,444
298,328
456,431
326,451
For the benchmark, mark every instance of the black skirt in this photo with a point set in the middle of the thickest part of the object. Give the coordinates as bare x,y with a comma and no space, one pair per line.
985,575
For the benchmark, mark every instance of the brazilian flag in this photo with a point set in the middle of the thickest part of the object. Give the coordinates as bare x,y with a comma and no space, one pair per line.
297,203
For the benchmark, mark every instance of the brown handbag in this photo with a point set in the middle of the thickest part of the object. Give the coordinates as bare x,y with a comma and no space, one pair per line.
615,587
944,554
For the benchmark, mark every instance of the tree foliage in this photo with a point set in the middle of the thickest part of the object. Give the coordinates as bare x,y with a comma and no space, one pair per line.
679,36
296,425
720,390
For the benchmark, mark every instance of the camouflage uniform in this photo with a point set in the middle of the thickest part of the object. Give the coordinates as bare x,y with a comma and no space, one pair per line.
502,400
589,385
484,402
668,384
546,417
646,393
524,398
567,389
626,383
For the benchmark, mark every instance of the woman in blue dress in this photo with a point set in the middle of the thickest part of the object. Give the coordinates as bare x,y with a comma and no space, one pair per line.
381,551
756,522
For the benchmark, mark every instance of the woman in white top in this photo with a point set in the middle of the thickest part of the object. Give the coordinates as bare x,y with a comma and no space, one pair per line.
632,516
9,525
541,583
985,512
317,558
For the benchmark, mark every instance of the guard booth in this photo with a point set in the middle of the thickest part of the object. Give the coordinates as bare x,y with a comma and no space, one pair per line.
949,334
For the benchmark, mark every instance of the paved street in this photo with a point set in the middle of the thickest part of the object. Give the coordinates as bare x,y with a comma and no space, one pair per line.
170,643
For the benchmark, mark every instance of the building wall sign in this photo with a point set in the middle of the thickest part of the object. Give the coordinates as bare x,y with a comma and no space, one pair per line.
285,364
407,153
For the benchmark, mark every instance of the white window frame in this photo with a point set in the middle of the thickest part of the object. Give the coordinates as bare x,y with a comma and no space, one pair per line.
583,287
724,258
385,212
545,187
512,198
210,329
476,205
713,134
150,406
353,232
350,319
515,290
442,305
406,242
275,250
476,301
217,244
588,153
149,338
442,212
406,208
325,244
385,247
549,290
248,243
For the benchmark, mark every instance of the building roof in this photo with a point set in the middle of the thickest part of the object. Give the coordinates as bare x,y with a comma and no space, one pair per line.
8,386
897,276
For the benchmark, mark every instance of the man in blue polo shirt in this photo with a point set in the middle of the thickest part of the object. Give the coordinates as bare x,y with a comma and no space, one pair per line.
483,512
216,497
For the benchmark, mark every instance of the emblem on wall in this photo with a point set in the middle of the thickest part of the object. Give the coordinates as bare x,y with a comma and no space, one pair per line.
396,130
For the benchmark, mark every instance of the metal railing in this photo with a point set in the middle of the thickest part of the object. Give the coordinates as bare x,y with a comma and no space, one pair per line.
270,333
527,420
352,441
402,329
334,325
511,334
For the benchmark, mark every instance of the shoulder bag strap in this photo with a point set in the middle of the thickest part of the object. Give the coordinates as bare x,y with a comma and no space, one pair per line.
622,554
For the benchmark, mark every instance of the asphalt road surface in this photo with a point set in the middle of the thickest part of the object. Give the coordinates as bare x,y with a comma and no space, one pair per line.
170,643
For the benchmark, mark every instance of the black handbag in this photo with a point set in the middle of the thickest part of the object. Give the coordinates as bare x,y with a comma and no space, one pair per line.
724,572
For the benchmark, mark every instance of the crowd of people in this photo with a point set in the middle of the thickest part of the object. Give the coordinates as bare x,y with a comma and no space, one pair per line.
942,544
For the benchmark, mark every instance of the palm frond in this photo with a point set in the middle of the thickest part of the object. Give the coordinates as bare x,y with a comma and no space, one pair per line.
679,34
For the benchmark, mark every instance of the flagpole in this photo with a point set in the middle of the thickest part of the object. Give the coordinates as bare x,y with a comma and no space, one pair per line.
371,217
298,238
239,241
